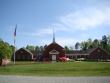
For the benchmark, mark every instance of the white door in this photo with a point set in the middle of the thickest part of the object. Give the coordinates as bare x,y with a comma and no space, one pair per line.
53,57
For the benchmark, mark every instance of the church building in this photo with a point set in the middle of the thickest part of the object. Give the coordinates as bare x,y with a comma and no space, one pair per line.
53,51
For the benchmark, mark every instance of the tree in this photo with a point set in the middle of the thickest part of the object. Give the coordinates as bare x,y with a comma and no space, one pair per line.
37,49
1,51
66,49
30,48
6,50
108,43
89,43
84,45
70,48
95,43
41,48
108,40
104,42
77,45
45,47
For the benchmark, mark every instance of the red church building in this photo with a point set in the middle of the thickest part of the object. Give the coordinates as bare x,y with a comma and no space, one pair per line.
53,51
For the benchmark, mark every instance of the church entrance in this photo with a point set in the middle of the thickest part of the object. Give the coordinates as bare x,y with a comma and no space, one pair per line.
53,54
53,57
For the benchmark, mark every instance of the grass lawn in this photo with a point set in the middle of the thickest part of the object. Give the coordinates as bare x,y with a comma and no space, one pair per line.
57,69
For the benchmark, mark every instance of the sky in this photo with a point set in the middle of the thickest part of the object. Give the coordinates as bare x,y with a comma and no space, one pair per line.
73,21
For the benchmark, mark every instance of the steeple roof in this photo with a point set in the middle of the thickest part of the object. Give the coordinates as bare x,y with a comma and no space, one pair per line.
53,36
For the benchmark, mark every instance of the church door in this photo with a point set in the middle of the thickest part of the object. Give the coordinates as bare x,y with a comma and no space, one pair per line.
53,54
53,57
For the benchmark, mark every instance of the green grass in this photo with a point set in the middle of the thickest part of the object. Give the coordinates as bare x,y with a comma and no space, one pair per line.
57,69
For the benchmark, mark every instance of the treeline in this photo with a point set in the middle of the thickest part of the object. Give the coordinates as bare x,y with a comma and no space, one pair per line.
103,43
84,45
36,49
89,44
6,50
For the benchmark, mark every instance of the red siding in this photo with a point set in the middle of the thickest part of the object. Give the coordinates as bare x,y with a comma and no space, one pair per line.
54,46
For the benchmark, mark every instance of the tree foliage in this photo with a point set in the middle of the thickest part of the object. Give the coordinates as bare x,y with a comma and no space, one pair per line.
6,50
77,45
103,43
36,49
30,47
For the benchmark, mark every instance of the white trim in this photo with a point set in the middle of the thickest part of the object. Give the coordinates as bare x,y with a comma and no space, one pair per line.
53,52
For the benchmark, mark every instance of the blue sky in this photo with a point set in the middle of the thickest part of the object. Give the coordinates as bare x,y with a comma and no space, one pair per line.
73,21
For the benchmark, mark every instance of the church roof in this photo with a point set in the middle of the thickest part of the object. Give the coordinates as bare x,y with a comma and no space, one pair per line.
87,52
54,46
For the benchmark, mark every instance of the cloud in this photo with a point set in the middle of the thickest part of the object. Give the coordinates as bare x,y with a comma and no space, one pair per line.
79,20
86,18
59,27
66,41
46,31
83,20
38,32
49,30
62,41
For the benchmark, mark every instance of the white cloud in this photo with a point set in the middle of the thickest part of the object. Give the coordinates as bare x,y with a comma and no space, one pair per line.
59,27
38,33
66,41
49,30
86,18
82,19
45,31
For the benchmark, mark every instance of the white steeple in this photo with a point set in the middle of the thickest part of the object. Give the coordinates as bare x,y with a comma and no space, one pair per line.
53,36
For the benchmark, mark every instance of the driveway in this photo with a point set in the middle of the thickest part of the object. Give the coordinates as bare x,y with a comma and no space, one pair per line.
36,79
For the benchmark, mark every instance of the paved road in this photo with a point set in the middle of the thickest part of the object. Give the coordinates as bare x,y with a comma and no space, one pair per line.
33,79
